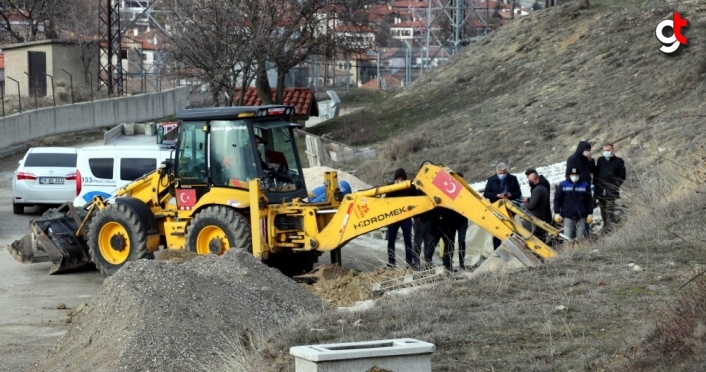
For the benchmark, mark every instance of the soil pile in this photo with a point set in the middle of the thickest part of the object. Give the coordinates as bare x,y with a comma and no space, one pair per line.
338,286
157,315
314,177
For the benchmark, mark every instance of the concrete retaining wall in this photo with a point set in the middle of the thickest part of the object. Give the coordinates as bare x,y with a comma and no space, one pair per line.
17,129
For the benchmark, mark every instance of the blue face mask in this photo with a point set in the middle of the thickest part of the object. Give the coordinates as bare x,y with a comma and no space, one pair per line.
501,176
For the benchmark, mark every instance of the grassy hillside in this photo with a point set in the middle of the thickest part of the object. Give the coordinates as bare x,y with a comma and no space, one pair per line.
530,92
527,95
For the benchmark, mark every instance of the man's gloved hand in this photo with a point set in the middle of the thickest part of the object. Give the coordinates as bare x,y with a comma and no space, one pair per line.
558,218
589,219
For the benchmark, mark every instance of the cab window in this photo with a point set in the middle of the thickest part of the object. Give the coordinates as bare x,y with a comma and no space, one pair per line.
232,154
190,157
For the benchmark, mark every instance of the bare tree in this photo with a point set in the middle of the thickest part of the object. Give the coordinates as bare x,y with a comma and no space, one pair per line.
80,24
294,34
214,42
38,18
229,43
304,28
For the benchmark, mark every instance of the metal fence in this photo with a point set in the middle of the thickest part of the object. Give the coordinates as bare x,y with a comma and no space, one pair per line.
385,68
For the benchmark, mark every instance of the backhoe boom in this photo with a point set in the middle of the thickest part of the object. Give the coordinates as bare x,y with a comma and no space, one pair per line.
366,211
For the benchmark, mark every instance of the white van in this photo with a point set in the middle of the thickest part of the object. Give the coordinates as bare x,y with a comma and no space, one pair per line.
102,170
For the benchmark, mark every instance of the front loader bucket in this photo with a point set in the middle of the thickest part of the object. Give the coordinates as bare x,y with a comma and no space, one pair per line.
52,239
26,250
511,254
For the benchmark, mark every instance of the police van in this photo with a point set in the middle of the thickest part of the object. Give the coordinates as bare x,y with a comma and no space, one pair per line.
102,170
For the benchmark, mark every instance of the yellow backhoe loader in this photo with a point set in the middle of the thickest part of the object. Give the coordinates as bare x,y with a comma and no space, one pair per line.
235,182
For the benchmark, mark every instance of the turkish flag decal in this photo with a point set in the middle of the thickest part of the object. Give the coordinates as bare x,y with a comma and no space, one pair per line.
186,197
447,184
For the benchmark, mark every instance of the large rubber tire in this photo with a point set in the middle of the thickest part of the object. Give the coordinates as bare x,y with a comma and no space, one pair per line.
216,229
116,236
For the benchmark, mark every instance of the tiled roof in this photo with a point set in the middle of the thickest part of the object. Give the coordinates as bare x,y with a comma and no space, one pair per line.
410,4
146,45
303,99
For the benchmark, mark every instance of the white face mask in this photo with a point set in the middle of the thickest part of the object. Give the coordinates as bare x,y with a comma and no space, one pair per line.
607,154
587,153
574,179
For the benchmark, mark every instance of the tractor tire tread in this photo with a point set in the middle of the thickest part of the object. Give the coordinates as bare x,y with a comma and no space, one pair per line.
128,219
228,219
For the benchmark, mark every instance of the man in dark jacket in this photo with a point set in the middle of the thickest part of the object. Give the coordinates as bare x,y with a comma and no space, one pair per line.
536,203
462,229
426,233
610,174
405,225
501,185
582,161
449,223
544,182
573,205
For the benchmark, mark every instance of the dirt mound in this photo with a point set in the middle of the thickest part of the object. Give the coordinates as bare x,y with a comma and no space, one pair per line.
338,286
176,256
314,177
180,312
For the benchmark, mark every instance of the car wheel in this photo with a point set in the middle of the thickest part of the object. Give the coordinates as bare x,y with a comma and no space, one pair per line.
18,208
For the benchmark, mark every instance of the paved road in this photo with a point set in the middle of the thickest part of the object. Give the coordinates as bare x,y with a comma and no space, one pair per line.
30,323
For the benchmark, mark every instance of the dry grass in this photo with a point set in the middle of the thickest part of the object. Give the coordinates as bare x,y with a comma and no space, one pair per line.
527,101
400,148
614,318
62,96
242,354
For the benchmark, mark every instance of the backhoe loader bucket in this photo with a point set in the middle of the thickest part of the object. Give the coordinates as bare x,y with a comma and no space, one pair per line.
52,239
511,254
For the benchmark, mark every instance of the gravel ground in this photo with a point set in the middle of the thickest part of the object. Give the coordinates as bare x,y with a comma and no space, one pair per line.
182,313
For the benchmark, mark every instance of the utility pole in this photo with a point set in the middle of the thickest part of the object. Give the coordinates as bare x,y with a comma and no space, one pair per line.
111,68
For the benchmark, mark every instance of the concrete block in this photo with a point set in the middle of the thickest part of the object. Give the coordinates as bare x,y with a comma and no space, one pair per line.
402,354
111,135
340,153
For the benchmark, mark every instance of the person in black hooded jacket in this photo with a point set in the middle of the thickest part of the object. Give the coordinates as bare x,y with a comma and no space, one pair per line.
582,161
406,225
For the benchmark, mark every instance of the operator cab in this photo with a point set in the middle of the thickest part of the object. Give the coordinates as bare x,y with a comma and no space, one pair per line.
231,146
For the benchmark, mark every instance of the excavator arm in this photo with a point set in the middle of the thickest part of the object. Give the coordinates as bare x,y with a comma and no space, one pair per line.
366,211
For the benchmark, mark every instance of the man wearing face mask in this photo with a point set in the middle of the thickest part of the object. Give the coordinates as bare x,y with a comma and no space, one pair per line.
501,185
538,202
582,161
573,205
610,174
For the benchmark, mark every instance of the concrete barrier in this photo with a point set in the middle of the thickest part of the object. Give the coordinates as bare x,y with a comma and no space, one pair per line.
112,134
401,354
17,129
